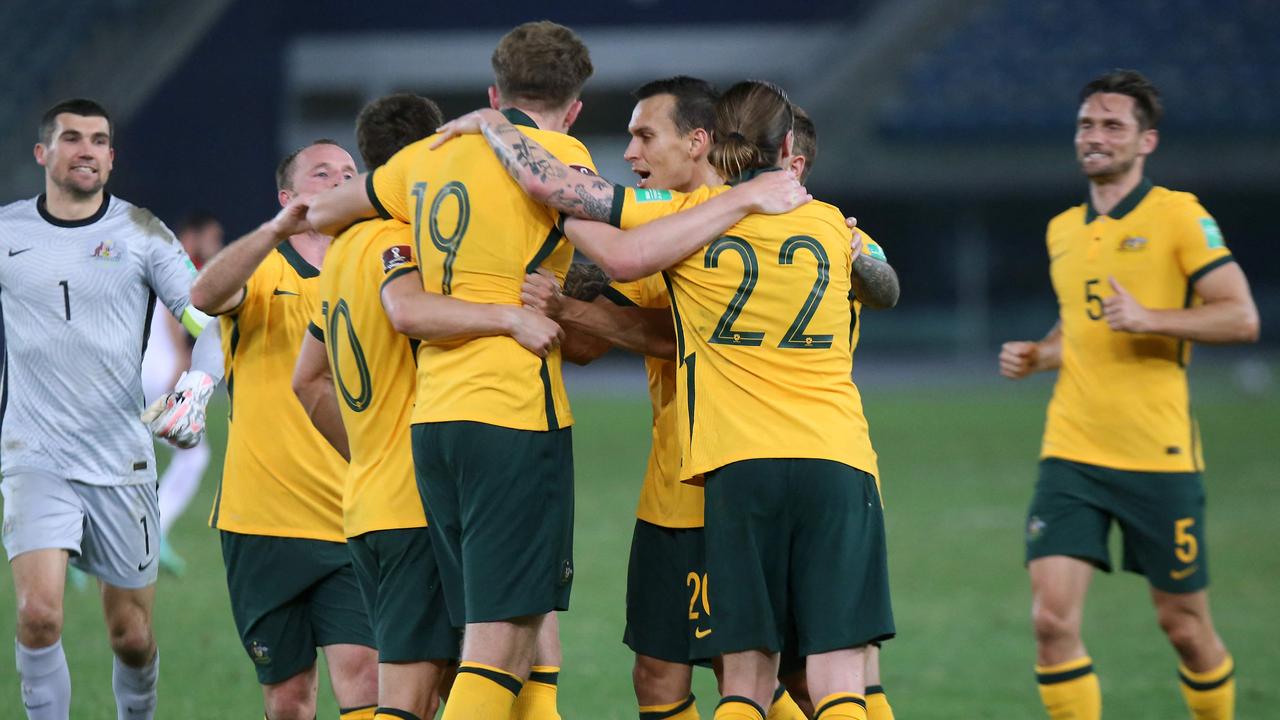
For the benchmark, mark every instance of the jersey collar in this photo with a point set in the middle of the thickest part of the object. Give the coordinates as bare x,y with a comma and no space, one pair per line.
750,174
299,264
516,116
1122,208
44,213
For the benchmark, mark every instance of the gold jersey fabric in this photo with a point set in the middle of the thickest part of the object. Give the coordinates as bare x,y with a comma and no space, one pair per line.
281,478
1121,400
764,329
373,374
475,236
664,500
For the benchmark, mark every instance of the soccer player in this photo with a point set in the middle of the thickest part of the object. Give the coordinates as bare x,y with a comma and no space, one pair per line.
79,270
370,292
671,134
168,352
476,236
771,417
279,505
1140,272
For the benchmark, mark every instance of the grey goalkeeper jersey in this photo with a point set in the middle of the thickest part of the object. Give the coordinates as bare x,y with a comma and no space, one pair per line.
75,301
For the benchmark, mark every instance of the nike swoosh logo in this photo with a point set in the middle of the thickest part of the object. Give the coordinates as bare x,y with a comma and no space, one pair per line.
278,291
700,633
1184,573
13,252
147,564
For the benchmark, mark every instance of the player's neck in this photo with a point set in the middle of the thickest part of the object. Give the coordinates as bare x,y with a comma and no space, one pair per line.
312,246
1106,193
704,176
66,206
544,121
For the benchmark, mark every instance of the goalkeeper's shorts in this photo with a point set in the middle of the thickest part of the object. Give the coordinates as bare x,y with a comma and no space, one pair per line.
111,531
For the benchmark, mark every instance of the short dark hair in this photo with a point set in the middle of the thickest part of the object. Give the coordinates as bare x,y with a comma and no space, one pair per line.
541,64
76,106
284,171
1147,107
806,139
195,220
391,122
695,101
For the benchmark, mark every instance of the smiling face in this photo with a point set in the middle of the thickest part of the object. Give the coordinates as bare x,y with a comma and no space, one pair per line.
78,156
660,155
1110,141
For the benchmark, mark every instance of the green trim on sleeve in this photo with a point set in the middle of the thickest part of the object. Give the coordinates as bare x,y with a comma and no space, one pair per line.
397,273
373,196
1207,268
615,296
615,210
315,331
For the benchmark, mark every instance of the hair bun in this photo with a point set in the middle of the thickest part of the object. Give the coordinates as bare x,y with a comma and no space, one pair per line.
736,135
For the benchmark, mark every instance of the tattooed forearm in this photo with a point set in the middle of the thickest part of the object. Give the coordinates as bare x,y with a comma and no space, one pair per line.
874,282
547,179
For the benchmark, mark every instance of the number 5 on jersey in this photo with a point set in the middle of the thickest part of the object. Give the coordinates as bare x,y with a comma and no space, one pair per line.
447,244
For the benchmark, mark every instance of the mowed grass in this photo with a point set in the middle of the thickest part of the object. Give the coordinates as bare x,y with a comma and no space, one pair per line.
958,464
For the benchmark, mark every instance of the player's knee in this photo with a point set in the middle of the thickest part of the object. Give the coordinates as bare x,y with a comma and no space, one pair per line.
657,682
39,622
1052,625
133,643
290,701
1185,630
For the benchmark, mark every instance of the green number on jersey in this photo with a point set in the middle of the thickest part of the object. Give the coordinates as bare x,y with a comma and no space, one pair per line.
357,403
447,244
724,333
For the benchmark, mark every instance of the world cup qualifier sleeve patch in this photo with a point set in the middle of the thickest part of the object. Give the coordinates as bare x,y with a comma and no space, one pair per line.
395,256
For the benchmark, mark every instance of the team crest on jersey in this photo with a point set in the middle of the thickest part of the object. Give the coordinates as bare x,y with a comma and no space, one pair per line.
583,169
395,256
1035,528
107,250
260,653
1132,243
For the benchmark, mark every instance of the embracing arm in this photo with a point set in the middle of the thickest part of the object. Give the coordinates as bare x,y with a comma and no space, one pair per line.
313,384
647,331
219,288
334,210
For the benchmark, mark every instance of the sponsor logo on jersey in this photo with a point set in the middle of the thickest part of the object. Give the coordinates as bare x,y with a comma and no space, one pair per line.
652,195
1212,235
700,633
107,250
583,169
395,256
1184,573
1133,243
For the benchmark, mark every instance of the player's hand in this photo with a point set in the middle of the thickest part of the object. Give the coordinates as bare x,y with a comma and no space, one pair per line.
1018,359
469,124
534,331
774,193
541,292
1123,312
292,219
178,416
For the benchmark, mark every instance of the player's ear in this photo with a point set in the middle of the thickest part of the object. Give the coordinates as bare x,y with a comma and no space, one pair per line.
1150,139
571,114
797,163
39,151
699,142
495,100
284,196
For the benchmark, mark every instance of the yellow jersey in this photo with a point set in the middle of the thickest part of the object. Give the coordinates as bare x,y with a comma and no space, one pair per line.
1121,400
764,333
664,500
281,478
373,374
476,235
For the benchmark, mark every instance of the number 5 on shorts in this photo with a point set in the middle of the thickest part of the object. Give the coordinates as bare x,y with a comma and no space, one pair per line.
1186,548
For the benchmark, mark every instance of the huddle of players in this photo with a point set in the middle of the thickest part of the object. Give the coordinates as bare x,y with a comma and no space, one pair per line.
488,546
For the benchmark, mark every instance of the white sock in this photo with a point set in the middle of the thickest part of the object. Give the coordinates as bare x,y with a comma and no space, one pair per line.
135,689
180,482
45,680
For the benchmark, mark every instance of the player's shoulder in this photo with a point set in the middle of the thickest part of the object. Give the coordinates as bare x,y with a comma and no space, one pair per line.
139,220
19,209
1177,202
1072,216
822,214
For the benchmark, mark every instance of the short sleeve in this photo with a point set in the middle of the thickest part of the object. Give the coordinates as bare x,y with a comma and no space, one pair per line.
318,320
394,249
634,206
1198,241
387,185
871,248
254,288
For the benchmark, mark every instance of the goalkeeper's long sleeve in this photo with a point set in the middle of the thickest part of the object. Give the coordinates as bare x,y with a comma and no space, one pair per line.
206,356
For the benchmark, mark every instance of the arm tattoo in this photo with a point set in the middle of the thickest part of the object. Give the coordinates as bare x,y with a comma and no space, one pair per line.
573,193
875,283
584,281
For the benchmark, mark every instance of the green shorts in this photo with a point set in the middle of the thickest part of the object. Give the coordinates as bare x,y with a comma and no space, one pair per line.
499,505
290,596
796,543
401,588
1161,518
668,614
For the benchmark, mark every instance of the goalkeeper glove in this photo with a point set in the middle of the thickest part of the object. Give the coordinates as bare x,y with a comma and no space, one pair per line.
178,416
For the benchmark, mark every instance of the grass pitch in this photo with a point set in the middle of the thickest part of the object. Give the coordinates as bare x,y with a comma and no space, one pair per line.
958,464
